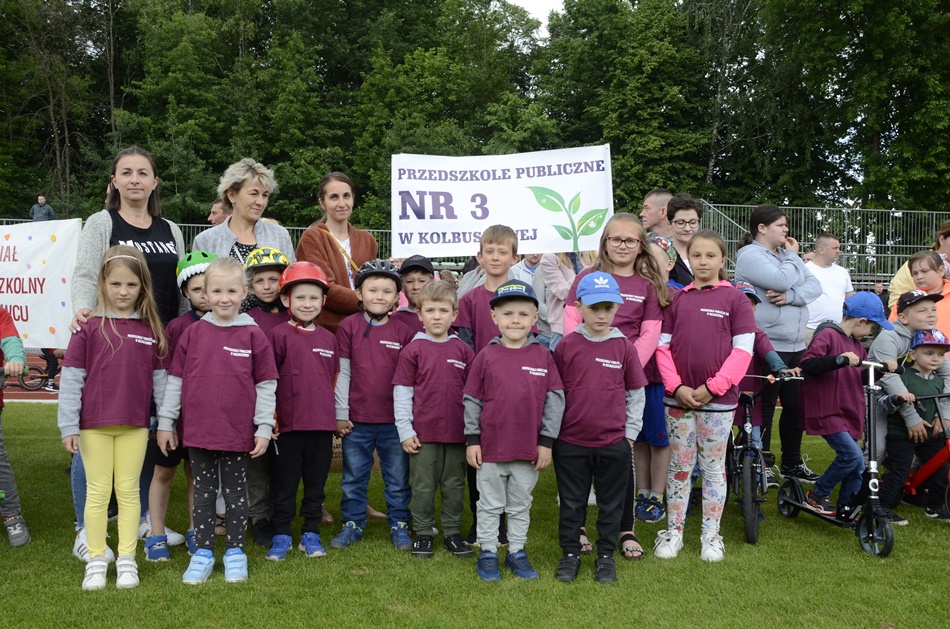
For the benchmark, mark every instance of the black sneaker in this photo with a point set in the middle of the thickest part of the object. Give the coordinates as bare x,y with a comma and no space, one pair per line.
422,547
567,568
605,570
819,504
770,480
891,517
938,514
800,471
457,546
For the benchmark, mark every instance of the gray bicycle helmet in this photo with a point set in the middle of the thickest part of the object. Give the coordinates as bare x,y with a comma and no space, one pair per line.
382,268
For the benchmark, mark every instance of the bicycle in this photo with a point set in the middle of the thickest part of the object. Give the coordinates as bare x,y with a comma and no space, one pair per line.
34,379
862,514
937,461
745,465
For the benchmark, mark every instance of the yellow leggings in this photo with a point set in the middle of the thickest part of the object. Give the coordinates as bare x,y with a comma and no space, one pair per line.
119,450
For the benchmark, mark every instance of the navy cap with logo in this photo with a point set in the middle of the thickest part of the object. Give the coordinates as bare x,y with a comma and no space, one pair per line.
513,289
911,297
421,263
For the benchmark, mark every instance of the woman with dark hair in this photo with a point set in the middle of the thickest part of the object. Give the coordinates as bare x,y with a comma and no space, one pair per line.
132,217
337,247
771,264
684,213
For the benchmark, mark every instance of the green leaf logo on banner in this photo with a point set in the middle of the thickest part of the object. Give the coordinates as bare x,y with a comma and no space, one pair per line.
588,225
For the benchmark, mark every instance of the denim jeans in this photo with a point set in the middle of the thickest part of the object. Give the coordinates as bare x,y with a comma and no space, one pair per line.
358,449
845,469
77,477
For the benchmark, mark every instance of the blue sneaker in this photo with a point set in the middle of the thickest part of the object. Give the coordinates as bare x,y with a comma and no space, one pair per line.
653,511
190,541
311,546
400,536
640,508
487,567
519,564
200,567
235,565
279,547
350,533
156,548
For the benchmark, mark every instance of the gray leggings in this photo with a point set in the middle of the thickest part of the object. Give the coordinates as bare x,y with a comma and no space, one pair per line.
11,503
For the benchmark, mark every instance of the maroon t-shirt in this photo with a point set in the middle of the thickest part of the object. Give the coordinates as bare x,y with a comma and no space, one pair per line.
596,376
834,401
512,385
437,372
219,368
266,320
373,357
175,328
307,361
639,303
118,389
410,319
757,367
702,324
475,314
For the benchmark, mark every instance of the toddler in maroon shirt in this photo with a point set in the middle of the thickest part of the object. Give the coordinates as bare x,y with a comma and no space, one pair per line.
416,272
264,266
223,379
428,385
604,398
832,398
308,362
514,401
370,342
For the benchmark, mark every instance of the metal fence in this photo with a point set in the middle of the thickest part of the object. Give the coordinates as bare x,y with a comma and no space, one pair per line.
874,243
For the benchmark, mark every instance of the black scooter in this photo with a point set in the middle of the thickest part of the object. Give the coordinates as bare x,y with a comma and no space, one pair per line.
874,532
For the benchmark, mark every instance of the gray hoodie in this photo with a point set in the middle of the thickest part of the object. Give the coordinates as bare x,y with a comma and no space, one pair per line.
782,273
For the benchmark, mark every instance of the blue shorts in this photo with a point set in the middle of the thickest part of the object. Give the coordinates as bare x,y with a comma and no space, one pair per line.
654,418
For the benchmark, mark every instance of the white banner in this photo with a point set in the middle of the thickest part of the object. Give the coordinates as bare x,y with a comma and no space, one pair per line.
554,200
36,270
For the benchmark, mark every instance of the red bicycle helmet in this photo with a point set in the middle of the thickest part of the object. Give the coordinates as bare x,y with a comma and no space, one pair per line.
300,272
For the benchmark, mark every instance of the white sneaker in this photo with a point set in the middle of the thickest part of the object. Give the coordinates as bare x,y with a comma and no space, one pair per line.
127,572
174,538
668,544
95,576
81,551
713,547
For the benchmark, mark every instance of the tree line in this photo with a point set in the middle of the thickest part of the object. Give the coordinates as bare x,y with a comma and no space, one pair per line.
799,102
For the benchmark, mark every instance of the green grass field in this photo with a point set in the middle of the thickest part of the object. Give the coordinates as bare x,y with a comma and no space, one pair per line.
802,573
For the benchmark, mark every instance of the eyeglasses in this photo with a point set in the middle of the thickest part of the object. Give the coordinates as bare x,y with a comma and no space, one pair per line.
616,242
681,224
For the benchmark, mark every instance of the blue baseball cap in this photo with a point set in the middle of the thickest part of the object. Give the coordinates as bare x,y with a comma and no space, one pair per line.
929,337
513,289
749,290
597,288
864,305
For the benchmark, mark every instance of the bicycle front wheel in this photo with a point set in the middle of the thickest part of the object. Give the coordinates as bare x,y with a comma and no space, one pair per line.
747,494
34,380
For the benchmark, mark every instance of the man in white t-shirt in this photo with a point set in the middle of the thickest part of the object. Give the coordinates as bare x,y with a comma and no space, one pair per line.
835,284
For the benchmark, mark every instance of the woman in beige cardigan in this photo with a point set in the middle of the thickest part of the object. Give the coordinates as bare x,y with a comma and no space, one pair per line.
337,247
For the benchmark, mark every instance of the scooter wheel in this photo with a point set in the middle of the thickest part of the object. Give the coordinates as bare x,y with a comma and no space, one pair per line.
786,500
875,534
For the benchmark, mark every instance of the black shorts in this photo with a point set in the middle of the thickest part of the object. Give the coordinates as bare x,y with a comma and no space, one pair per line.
154,456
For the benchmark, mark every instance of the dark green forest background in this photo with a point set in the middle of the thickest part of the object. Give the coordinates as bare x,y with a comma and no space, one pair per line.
799,102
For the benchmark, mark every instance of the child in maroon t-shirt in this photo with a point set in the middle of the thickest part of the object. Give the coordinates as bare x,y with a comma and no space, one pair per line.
514,401
223,379
604,394
705,347
428,385
191,282
416,272
370,342
832,399
112,368
308,362
264,266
